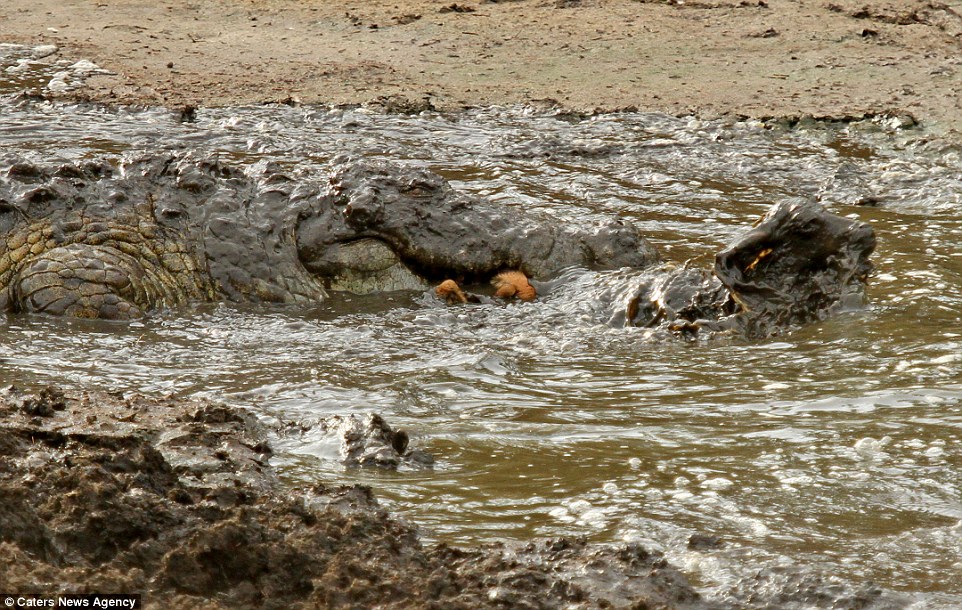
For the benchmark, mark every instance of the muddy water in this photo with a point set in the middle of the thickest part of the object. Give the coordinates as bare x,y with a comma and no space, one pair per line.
837,447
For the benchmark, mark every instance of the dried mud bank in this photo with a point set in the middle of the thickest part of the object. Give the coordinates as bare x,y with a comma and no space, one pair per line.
176,501
760,59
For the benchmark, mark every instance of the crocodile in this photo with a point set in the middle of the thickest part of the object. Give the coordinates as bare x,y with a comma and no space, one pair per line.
799,263
98,240
91,239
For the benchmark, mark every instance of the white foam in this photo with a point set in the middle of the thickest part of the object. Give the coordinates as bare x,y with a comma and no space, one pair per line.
752,525
595,517
681,495
579,506
22,65
777,385
44,50
59,82
85,66
561,514
717,484
871,448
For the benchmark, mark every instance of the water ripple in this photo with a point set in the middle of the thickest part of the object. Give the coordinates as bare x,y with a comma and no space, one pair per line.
839,445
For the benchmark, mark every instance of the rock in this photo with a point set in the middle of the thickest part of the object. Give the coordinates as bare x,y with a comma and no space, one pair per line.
370,441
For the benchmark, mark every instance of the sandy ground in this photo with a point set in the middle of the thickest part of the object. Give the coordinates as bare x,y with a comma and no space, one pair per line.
760,58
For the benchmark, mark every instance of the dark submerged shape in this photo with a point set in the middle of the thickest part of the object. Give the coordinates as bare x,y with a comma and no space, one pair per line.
93,240
800,263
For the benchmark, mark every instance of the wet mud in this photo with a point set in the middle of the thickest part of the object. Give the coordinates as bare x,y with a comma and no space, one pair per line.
176,500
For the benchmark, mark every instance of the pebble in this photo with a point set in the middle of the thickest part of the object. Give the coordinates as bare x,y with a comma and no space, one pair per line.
44,50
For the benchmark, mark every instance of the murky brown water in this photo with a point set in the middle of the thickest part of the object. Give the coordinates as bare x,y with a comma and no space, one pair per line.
838,446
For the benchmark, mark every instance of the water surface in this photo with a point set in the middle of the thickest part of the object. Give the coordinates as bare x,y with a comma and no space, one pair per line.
837,446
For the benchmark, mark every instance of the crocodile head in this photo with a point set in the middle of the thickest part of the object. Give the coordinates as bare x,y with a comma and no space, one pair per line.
798,263
398,226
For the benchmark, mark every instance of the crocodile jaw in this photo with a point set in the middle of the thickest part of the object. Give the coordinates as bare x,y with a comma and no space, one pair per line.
363,266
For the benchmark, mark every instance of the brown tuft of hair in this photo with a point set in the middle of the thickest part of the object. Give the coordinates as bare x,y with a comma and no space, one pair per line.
450,292
513,284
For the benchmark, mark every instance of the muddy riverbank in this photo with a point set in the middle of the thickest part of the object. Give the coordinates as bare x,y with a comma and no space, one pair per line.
176,501
757,58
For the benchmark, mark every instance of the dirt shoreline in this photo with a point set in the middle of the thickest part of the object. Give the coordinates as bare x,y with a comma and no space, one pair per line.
176,501
711,58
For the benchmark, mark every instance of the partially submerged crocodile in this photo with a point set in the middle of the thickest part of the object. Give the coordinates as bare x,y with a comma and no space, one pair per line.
798,264
94,240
